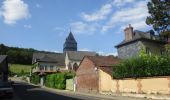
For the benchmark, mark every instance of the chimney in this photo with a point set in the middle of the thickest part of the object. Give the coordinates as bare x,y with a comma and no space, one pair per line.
128,33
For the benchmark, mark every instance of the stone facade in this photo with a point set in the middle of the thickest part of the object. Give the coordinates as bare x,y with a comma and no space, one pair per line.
136,40
48,67
70,64
133,49
129,50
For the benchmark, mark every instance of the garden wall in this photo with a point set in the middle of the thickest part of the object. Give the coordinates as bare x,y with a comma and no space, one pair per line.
150,85
69,84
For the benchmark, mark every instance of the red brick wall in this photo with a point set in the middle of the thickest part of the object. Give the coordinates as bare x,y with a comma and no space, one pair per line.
87,77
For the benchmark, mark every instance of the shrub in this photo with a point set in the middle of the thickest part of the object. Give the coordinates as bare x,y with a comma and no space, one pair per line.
35,79
58,80
143,66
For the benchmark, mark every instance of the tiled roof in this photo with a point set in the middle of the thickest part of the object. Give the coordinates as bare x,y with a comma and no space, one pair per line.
78,55
58,58
139,35
2,58
103,61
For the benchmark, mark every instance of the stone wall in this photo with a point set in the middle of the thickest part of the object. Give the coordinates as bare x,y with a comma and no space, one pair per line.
133,49
155,48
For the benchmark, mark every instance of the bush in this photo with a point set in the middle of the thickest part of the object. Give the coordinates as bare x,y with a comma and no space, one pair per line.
58,80
35,79
143,66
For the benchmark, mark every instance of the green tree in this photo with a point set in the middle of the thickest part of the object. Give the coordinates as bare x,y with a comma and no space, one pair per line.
159,18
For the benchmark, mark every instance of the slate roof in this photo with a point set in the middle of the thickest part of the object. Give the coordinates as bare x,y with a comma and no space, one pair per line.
70,38
78,55
139,35
58,58
104,61
2,58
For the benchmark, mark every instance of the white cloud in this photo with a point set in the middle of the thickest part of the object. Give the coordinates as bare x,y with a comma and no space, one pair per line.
80,27
84,49
122,2
27,26
99,14
134,15
38,5
107,54
14,10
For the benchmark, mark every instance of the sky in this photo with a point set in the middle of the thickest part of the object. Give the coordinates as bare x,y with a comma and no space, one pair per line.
97,25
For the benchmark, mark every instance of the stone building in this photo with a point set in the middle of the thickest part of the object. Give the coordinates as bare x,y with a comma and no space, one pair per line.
94,72
136,40
73,58
70,43
46,63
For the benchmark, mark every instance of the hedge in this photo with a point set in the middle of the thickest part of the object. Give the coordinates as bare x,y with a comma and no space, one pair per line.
58,80
35,79
143,66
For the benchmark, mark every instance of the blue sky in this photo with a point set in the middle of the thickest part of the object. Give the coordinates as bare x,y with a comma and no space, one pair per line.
44,24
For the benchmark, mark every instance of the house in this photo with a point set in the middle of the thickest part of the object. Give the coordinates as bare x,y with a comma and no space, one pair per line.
135,41
46,63
73,58
3,68
70,43
95,74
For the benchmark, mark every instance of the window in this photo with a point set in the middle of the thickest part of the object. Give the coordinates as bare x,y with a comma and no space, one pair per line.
41,67
51,67
148,51
161,52
45,67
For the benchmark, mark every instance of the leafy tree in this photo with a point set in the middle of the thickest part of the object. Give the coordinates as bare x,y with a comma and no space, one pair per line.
159,18
18,55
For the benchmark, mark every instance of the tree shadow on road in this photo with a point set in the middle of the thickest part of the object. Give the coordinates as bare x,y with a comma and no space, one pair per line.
30,92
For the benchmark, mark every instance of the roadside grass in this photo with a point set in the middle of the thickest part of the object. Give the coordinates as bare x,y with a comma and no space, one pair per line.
19,69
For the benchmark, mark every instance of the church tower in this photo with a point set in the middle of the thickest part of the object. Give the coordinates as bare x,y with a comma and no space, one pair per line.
70,43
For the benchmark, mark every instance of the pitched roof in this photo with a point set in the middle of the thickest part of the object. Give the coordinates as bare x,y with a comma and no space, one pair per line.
78,55
2,58
70,38
58,58
103,61
139,35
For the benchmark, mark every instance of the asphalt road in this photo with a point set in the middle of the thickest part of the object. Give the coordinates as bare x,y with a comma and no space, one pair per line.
29,92
24,91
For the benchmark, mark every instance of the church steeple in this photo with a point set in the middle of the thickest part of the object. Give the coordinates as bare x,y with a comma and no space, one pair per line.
70,43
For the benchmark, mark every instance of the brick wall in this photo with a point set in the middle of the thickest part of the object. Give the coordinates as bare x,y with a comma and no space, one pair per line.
87,77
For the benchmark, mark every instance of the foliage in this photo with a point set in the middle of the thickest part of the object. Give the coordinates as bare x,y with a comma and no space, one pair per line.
58,80
167,49
35,79
18,55
19,70
55,81
159,18
143,66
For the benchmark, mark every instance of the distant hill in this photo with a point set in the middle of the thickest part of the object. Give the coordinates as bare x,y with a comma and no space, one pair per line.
19,55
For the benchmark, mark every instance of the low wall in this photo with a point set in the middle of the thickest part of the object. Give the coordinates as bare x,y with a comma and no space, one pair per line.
152,85
69,84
